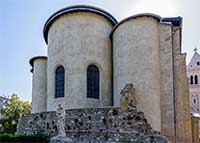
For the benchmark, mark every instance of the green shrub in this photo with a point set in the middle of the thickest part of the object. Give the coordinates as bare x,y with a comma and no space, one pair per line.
14,109
21,137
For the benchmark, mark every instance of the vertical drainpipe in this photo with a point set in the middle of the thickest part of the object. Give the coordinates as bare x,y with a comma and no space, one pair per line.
112,81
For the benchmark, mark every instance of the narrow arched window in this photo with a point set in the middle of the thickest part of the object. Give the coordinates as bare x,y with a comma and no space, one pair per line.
93,82
196,79
194,100
191,79
60,82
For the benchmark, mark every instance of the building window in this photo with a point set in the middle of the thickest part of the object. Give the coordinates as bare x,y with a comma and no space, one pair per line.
196,79
198,63
191,79
93,82
194,101
60,82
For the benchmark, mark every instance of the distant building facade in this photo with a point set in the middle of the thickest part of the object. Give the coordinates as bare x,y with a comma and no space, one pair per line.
91,57
193,73
3,99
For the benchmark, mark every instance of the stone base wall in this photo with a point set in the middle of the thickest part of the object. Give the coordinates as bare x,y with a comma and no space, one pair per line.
104,124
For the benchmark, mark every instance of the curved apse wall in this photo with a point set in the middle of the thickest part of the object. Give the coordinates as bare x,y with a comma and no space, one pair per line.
77,39
136,60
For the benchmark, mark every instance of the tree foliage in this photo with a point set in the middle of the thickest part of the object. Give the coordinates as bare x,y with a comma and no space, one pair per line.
14,109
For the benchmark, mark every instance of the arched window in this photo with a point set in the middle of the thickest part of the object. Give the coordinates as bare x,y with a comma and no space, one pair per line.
194,100
198,63
60,82
191,79
196,79
93,82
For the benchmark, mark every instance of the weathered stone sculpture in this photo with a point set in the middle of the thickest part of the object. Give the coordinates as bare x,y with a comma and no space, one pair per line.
60,113
128,97
61,117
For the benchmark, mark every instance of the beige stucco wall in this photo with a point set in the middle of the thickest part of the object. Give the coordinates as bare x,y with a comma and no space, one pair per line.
167,84
136,60
39,85
183,124
75,41
183,120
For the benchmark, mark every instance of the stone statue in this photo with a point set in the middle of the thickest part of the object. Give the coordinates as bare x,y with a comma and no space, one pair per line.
60,113
128,97
61,137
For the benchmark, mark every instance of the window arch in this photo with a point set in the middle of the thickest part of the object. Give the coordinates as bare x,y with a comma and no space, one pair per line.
196,79
93,77
59,82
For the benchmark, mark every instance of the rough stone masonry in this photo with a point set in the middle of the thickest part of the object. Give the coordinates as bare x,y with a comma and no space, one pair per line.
96,125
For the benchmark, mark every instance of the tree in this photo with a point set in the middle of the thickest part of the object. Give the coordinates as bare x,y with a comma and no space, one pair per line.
14,109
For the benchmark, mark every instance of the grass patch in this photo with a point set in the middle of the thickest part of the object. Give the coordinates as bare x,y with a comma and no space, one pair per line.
22,138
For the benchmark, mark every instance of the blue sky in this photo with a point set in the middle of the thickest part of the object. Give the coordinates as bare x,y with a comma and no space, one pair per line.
22,21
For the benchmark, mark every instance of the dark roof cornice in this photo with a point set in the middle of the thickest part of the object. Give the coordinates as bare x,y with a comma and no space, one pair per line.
174,21
34,58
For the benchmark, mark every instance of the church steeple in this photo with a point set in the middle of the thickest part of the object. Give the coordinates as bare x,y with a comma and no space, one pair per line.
195,60
195,49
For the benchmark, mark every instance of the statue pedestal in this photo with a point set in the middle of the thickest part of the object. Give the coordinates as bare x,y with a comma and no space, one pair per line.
61,139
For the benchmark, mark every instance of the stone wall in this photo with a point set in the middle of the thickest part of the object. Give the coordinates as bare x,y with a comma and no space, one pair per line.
195,129
95,124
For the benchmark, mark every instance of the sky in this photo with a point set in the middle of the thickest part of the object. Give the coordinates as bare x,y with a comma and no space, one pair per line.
22,21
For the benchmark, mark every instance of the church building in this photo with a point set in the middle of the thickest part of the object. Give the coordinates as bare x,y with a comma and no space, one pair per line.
91,56
193,73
